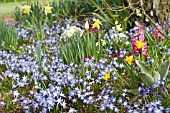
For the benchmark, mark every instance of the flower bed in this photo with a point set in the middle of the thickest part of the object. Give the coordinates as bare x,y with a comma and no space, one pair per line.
63,66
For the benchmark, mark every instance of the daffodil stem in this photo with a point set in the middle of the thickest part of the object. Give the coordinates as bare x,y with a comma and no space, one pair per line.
142,57
99,44
88,41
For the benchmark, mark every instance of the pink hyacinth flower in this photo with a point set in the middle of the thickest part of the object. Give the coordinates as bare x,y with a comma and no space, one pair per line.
139,29
136,49
138,42
156,32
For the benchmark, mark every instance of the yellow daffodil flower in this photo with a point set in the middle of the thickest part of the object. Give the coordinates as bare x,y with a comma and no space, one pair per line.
86,26
129,59
26,9
139,44
47,10
97,23
106,76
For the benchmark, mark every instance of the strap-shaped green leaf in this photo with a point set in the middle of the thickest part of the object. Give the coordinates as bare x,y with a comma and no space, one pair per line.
147,79
156,76
134,91
164,68
143,67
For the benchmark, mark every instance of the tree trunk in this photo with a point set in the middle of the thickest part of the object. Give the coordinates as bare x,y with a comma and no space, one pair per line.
161,7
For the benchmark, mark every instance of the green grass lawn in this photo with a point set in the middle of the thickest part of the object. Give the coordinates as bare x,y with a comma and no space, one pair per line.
8,8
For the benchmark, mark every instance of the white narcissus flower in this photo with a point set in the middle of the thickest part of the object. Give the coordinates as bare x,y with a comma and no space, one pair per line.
116,22
47,10
97,43
68,26
127,43
81,33
146,19
151,13
118,26
115,35
103,42
71,30
122,35
138,12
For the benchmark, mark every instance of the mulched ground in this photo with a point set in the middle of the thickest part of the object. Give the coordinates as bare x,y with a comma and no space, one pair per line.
7,19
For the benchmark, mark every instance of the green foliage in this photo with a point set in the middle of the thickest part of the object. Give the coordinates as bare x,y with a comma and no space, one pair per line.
164,68
18,14
61,9
8,36
156,76
79,9
109,15
148,77
5,1
38,55
79,46
143,67
37,15
64,8
35,20
76,48
133,77
164,44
